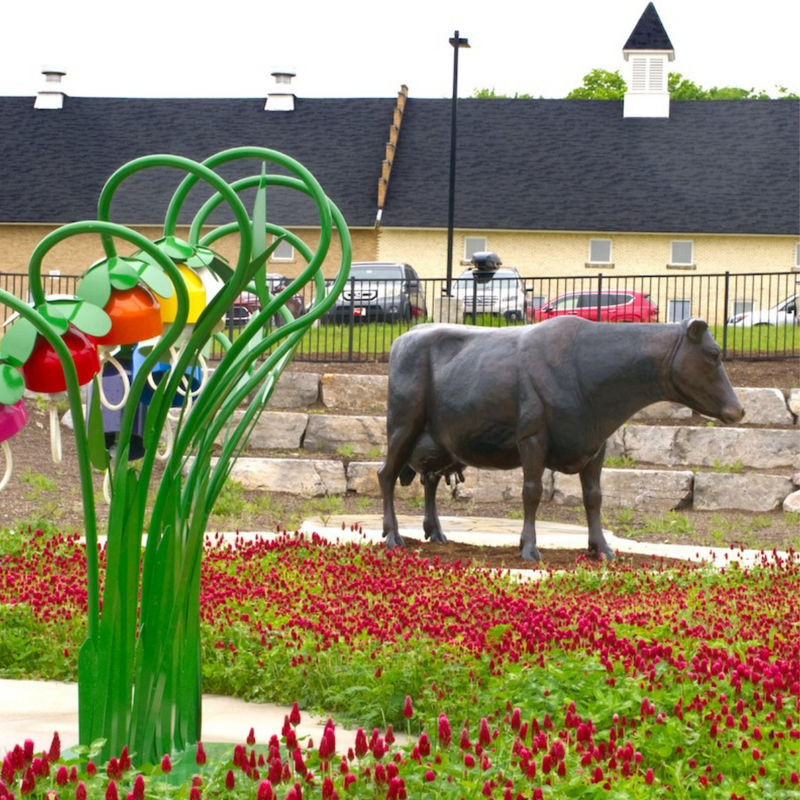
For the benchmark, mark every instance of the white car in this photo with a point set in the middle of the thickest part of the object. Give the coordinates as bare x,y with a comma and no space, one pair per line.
784,313
499,292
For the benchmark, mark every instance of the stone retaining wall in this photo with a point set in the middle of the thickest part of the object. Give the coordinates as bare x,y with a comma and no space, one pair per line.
680,453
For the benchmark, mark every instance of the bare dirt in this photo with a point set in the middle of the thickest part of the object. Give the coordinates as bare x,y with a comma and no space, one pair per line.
41,493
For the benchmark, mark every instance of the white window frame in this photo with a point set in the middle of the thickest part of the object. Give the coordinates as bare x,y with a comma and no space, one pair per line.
598,243
741,306
470,247
673,262
797,256
678,303
283,252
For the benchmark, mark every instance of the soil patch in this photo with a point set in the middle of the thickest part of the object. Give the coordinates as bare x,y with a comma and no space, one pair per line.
509,558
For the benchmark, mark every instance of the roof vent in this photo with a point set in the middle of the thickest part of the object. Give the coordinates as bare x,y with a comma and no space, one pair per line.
281,98
52,95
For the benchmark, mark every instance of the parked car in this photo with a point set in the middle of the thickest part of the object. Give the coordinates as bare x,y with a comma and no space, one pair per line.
500,291
784,313
615,305
247,303
380,292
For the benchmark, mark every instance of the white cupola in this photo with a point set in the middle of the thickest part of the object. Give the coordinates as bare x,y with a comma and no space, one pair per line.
648,51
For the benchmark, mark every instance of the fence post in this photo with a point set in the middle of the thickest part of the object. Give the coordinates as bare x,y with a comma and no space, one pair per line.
725,316
599,293
352,318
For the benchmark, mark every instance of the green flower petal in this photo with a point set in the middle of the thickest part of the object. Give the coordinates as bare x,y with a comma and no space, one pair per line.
17,343
95,286
12,385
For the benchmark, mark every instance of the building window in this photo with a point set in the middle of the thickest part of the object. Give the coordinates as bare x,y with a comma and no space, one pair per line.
743,307
678,310
797,256
599,251
681,254
472,245
283,252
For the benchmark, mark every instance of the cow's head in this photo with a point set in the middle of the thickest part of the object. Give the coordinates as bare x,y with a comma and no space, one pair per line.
698,377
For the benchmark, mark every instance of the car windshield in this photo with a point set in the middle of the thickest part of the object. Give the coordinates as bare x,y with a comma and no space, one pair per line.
376,273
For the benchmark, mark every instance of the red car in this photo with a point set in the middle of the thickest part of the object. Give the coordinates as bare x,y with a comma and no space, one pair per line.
614,305
247,304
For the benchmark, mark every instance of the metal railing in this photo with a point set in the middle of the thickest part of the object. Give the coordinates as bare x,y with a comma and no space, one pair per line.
751,315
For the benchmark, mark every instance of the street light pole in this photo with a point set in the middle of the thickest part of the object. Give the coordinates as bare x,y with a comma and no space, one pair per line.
456,43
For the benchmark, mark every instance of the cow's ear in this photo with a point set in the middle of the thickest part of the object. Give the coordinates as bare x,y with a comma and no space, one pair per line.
695,328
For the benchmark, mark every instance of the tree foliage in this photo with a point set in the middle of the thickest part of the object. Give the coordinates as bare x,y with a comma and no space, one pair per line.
491,94
602,84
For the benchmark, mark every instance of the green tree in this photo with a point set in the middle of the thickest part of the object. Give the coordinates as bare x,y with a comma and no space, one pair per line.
491,94
600,84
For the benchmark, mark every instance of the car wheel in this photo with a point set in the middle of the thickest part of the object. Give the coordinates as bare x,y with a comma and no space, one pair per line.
513,316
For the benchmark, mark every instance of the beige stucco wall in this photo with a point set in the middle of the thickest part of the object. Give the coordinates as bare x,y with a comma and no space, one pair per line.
566,254
74,255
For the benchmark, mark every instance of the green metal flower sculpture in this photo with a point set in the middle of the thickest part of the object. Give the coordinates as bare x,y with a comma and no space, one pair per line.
159,308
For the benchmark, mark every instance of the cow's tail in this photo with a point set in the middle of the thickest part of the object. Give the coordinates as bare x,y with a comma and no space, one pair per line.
407,475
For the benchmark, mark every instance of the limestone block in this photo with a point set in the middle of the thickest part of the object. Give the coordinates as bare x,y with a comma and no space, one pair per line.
447,309
651,444
364,393
755,448
275,430
362,478
293,476
657,490
499,486
295,390
330,433
662,410
615,445
796,478
764,407
792,502
746,492
794,401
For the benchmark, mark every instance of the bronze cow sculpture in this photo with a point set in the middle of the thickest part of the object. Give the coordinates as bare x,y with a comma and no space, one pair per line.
545,395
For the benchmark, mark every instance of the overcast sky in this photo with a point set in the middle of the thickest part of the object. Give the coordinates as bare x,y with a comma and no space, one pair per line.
364,48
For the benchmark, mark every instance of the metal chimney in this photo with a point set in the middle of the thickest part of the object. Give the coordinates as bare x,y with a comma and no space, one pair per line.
52,95
281,98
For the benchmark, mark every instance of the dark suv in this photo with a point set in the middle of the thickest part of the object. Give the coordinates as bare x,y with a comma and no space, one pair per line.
381,292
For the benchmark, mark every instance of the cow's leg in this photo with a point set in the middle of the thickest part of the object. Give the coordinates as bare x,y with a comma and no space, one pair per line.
592,500
431,526
399,447
532,450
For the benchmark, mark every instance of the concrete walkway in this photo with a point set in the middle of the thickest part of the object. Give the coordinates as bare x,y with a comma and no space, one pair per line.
34,709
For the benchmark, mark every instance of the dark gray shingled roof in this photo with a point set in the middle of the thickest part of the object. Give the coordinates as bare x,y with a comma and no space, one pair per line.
54,162
571,165
578,165
649,33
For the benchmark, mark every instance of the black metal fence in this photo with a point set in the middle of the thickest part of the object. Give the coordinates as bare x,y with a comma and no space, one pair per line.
752,316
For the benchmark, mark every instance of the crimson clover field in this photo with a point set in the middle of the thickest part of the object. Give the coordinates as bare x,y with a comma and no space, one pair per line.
599,681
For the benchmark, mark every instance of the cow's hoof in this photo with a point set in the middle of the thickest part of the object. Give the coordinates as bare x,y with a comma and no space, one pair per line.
394,540
530,552
437,537
596,553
